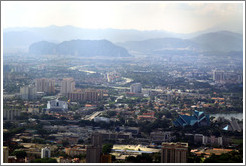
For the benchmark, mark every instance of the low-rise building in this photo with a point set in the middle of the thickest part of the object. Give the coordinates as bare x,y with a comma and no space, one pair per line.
56,105
75,151
198,118
160,136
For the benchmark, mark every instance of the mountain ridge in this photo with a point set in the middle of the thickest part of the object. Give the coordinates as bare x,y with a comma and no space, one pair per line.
86,48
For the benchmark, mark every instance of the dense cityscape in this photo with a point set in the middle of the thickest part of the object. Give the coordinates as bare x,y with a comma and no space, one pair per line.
164,100
131,106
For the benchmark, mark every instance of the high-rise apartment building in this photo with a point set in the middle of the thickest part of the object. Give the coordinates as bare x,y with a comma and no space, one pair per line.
85,95
28,92
218,76
5,154
67,85
93,152
136,88
11,114
45,85
174,152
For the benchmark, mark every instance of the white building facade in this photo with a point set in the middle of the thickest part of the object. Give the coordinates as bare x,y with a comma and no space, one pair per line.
57,105
45,152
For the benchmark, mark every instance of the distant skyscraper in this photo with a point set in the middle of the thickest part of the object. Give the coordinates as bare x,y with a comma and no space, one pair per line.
67,85
45,152
239,78
45,85
174,152
136,88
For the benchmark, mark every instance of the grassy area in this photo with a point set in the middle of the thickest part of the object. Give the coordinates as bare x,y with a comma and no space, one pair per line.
237,141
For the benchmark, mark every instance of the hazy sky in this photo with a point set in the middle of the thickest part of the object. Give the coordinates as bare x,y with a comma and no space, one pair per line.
175,17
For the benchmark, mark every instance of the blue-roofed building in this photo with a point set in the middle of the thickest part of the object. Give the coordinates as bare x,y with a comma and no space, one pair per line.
198,118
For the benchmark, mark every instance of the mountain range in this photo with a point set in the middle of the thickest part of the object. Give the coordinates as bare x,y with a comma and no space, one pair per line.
152,42
222,41
85,48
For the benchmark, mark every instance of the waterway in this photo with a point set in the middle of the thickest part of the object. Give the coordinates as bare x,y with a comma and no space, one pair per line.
228,116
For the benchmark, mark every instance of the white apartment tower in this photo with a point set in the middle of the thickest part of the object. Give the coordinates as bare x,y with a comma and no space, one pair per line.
45,152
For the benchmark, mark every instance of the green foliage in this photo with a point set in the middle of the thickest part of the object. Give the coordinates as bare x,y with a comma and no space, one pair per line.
8,125
19,154
192,158
65,143
111,113
12,132
39,141
231,157
80,141
23,116
84,123
156,157
107,148
47,117
147,126
144,158
80,156
44,160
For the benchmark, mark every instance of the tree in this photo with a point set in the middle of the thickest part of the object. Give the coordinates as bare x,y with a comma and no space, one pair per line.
231,157
44,160
144,158
107,148
65,143
81,141
19,154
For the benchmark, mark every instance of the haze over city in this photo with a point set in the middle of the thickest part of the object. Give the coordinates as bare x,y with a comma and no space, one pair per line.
178,17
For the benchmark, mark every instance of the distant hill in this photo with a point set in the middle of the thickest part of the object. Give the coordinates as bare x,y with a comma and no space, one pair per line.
42,48
159,44
87,48
222,41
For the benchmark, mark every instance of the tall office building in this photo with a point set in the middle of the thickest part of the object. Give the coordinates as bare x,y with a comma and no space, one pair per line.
67,85
5,154
174,152
45,152
45,85
136,88
93,152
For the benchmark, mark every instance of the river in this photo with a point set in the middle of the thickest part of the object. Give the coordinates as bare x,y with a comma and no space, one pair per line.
228,116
